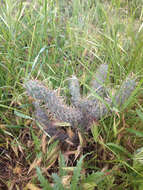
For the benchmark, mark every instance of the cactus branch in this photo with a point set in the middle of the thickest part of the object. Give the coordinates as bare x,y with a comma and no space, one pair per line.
74,89
42,117
100,78
54,103
124,92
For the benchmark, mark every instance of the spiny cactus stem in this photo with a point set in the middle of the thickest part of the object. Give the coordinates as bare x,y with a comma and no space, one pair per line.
100,78
54,103
74,89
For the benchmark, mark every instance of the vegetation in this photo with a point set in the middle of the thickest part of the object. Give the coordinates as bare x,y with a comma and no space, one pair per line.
51,41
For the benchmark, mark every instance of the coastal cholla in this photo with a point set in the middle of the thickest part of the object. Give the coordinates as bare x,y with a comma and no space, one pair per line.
83,111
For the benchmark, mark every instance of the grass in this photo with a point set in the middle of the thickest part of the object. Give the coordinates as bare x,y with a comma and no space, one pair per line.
50,41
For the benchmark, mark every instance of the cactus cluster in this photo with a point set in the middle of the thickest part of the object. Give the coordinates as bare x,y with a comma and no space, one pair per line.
83,111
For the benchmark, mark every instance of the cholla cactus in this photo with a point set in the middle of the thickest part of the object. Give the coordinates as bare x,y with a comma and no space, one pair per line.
83,110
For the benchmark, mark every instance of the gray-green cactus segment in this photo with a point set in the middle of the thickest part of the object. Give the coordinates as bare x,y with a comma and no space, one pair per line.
74,89
94,110
43,119
53,103
100,78
124,92
41,114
